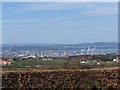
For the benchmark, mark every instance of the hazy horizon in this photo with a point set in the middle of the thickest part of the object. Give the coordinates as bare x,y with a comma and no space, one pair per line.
58,43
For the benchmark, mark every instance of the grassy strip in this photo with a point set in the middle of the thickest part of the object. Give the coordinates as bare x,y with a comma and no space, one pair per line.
54,65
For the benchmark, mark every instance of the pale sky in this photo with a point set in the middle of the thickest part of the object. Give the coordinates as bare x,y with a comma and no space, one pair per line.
61,23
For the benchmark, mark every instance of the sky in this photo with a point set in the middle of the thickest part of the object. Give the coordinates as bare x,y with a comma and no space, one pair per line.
59,22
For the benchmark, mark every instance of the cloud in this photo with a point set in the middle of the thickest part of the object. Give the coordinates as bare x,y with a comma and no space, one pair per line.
18,21
78,8
84,8
102,11
60,0
49,6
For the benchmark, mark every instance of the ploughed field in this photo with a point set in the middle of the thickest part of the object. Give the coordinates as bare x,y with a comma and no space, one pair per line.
63,79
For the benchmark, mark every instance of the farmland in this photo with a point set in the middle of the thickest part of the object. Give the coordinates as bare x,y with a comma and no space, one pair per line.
60,75
85,79
55,65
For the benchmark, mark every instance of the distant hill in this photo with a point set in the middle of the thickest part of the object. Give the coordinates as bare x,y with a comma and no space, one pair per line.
100,44
63,46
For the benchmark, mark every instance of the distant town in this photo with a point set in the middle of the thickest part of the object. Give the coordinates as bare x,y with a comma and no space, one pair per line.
85,53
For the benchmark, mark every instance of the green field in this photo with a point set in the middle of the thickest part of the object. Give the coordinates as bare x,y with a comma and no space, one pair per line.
54,64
